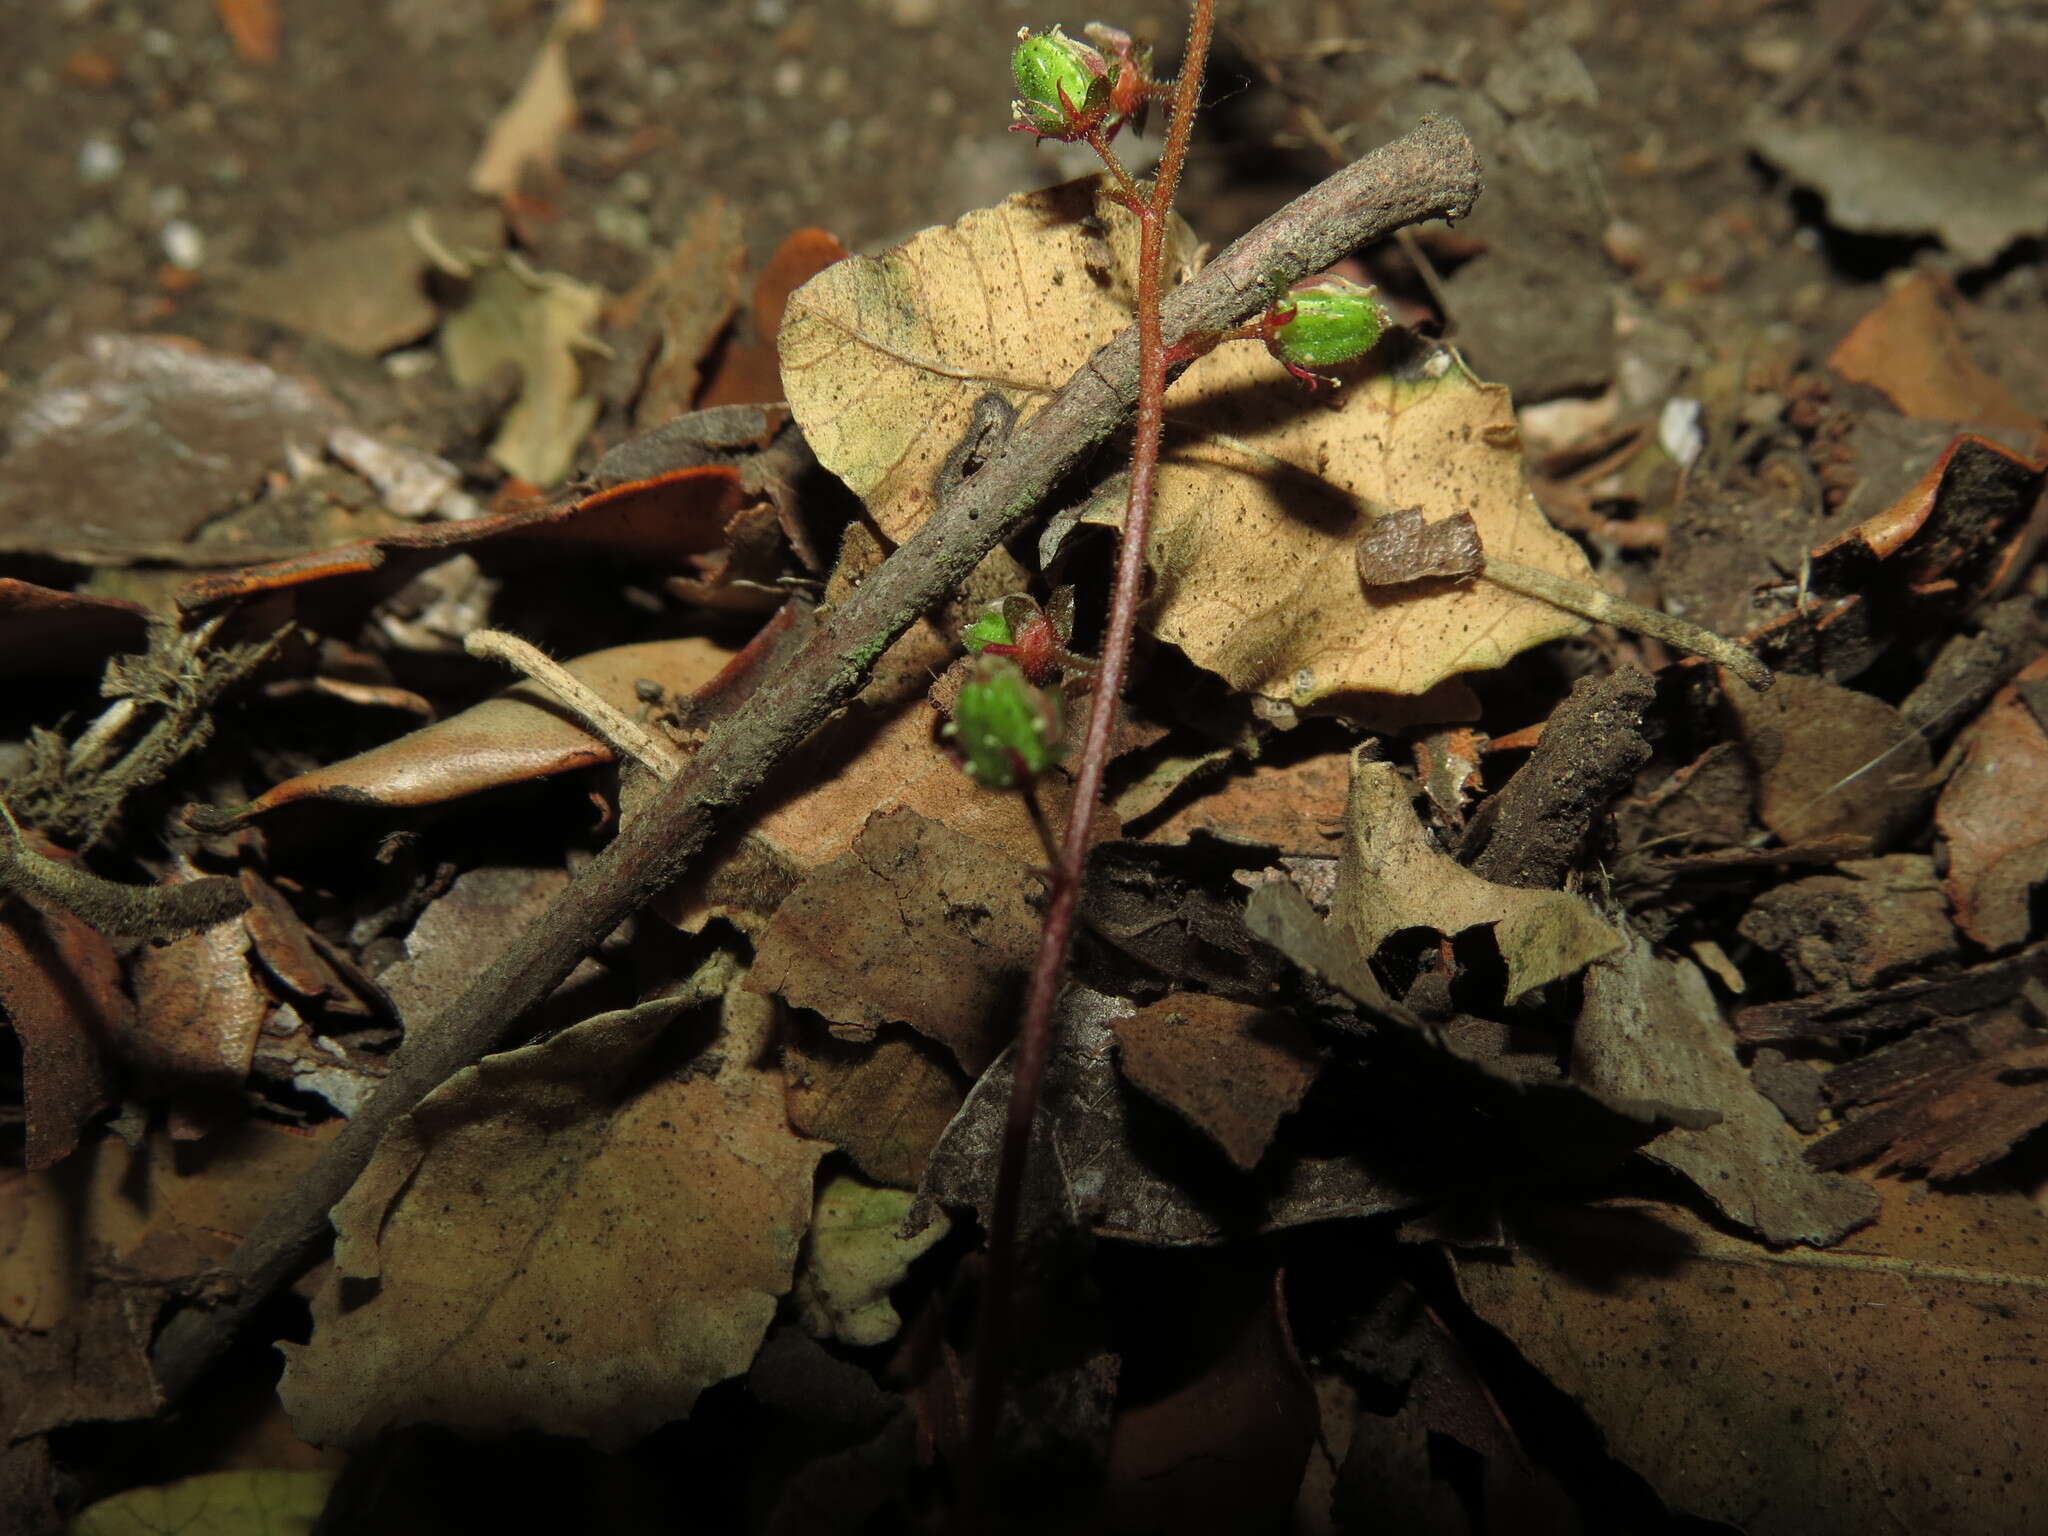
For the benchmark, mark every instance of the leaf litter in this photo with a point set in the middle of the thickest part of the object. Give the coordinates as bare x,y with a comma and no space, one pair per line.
1434,930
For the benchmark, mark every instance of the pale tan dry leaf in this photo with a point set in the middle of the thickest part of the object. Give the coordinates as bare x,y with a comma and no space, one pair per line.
577,1237
1390,876
538,325
884,356
527,132
1889,1384
1264,493
1650,1029
854,1258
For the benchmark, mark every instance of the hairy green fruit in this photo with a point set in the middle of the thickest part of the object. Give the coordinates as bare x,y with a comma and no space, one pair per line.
1007,730
1331,321
1045,66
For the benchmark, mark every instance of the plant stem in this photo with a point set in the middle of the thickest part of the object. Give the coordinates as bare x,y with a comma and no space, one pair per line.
1429,173
1034,1035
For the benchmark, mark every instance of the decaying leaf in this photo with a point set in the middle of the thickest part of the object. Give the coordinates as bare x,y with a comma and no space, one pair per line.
883,1102
1390,876
1886,1384
577,1237
854,1257
60,984
1651,1029
916,924
1297,808
538,326
244,1503
1831,762
1230,1069
1872,921
884,357
1993,816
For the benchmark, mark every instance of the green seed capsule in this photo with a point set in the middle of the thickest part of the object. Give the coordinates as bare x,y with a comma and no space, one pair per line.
1007,728
992,628
1045,64
1333,322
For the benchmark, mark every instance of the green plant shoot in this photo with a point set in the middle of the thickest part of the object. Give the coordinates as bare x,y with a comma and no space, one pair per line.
1008,730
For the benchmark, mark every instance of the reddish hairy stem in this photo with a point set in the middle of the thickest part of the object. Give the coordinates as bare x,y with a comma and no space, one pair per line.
1034,1035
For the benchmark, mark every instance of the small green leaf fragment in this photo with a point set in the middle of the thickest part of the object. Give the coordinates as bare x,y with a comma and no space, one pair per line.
1007,729
992,628
1332,321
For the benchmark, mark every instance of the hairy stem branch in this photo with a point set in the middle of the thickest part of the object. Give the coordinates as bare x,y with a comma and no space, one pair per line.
1034,1034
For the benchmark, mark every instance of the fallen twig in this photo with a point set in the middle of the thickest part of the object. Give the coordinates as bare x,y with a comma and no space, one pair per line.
1431,172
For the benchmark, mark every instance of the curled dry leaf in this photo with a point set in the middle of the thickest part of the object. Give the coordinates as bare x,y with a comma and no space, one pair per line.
521,734
578,1237
1650,1029
693,293
885,356
1993,815
1399,547
1391,876
1886,1384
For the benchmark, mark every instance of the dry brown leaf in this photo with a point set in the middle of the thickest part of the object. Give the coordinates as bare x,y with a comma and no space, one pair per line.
1993,816
521,734
527,132
1229,1069
916,924
885,356
61,985
1391,876
884,1103
1263,495
578,1237
1830,761
1297,808
1651,1030
198,1012
749,371
1887,1384
1910,348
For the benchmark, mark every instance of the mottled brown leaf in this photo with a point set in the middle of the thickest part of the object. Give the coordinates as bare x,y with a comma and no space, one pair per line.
1231,1070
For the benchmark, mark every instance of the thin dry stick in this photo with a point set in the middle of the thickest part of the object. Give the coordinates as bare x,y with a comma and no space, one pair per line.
626,737
1429,173
1034,1035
